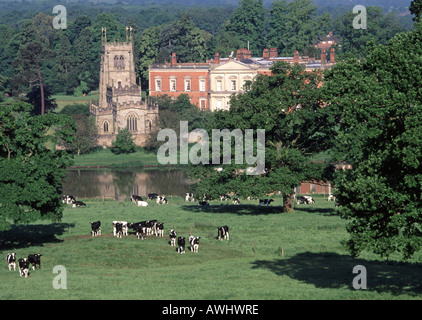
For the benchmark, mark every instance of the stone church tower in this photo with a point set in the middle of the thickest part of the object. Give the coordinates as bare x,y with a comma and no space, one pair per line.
120,102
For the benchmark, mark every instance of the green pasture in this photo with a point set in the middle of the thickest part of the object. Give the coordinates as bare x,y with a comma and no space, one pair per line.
270,255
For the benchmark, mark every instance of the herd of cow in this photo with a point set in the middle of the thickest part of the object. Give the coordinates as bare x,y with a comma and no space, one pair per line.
23,263
144,228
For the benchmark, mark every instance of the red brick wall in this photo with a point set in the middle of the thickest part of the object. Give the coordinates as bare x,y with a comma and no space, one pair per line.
180,75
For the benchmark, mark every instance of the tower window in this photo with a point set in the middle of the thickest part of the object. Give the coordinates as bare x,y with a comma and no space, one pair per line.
132,122
122,62
105,126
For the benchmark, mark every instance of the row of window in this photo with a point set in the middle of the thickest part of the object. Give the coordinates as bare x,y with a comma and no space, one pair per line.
158,85
131,124
119,62
188,82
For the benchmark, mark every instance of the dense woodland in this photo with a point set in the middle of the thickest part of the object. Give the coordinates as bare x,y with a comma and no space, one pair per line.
67,61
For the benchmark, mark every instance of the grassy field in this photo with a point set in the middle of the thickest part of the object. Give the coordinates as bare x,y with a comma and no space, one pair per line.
63,100
270,256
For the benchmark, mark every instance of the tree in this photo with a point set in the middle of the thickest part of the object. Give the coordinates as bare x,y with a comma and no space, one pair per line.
416,9
288,106
276,35
28,66
378,103
85,135
248,22
31,171
123,143
33,97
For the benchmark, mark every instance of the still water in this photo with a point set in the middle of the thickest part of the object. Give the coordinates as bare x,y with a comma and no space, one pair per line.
120,184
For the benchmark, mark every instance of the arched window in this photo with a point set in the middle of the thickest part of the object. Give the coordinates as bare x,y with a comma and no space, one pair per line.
116,61
105,126
132,122
122,62
148,126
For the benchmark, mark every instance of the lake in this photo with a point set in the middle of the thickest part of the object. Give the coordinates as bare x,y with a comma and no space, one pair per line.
120,184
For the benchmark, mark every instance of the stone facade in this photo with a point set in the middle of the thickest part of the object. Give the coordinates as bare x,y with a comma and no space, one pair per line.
120,103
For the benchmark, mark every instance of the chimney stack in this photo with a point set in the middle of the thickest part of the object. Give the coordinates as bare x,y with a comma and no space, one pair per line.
323,56
217,58
173,59
266,54
273,53
333,55
296,57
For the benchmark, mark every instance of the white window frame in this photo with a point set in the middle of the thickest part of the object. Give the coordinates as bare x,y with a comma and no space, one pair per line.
233,85
219,86
158,85
188,85
172,84
202,85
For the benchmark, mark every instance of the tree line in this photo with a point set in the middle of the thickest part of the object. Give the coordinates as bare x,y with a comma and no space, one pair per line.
34,55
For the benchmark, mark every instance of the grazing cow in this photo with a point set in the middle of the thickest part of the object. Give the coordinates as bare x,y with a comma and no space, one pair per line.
223,233
139,228
95,228
162,200
194,243
172,236
203,203
160,229
265,202
134,198
152,196
331,197
78,204
236,201
189,197
142,204
119,230
224,197
23,267
250,198
68,199
305,200
124,227
181,244
35,259
11,260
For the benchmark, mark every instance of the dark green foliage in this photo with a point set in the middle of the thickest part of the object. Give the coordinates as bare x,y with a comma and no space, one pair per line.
123,143
380,135
31,171
292,135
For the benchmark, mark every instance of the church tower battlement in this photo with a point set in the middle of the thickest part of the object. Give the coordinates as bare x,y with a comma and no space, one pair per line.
120,103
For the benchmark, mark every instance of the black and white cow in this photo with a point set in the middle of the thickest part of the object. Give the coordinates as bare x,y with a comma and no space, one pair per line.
135,198
194,243
189,197
119,229
162,200
236,201
23,267
203,203
223,233
173,236
142,204
160,229
331,197
224,197
139,228
34,260
68,199
181,244
304,200
124,227
152,196
265,202
95,228
78,204
11,260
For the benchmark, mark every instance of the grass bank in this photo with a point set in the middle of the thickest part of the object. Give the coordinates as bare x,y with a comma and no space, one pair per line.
270,255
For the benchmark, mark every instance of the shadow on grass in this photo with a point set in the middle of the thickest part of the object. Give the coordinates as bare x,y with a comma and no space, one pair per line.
332,270
313,209
24,236
241,209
